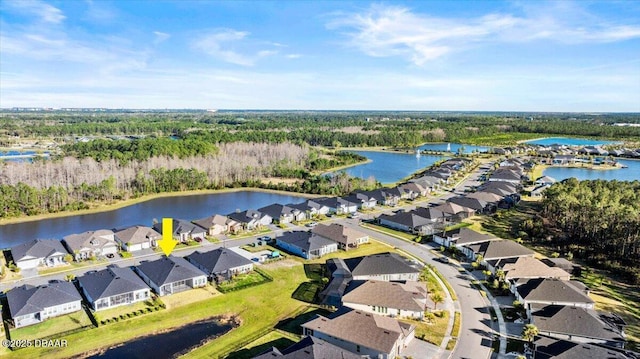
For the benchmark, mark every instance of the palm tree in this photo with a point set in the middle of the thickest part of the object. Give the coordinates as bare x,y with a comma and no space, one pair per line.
529,332
436,297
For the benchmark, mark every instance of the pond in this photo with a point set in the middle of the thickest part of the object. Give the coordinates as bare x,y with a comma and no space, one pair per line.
170,344
631,173
390,167
568,141
183,207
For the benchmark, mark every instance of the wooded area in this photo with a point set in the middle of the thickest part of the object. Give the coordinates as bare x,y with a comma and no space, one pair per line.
598,221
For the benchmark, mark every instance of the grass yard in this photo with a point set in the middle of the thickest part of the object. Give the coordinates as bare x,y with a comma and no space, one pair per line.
275,338
190,296
242,280
619,298
122,310
292,325
260,307
52,326
389,231
434,332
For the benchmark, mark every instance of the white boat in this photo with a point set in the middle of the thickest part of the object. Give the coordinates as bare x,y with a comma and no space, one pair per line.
448,147
418,153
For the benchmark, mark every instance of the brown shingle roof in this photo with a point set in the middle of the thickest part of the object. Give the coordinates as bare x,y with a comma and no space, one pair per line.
339,233
406,296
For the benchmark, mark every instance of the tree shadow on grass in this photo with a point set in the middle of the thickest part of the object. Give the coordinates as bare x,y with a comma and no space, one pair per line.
292,325
280,343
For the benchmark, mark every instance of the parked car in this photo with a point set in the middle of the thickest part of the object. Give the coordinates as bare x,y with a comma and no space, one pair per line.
354,215
312,224
443,260
264,238
198,239
110,255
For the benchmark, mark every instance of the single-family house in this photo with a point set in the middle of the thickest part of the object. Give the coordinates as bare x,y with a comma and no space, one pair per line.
551,291
216,224
31,305
545,180
91,244
251,219
183,231
492,250
337,205
362,333
220,264
305,244
518,268
283,213
408,222
385,196
311,207
578,324
505,175
363,199
382,266
476,204
405,300
455,212
136,238
346,237
564,159
462,237
309,348
538,191
113,287
415,189
550,348
566,265
489,197
38,252
169,275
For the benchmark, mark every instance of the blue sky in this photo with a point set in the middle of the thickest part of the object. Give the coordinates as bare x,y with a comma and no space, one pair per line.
430,55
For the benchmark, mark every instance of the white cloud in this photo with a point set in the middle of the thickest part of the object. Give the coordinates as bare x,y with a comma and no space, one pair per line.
384,31
216,44
160,37
293,56
40,9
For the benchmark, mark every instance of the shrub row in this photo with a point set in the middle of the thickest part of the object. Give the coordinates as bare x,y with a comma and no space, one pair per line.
133,314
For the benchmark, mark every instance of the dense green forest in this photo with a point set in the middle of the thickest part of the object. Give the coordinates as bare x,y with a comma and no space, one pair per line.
597,221
315,128
71,184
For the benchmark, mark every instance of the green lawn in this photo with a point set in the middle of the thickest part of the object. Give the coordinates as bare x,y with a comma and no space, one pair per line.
260,307
431,332
253,278
455,330
52,326
122,310
274,338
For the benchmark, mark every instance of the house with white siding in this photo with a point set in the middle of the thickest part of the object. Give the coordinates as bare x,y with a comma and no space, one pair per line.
30,305
91,244
169,275
393,299
113,287
305,244
39,252
137,238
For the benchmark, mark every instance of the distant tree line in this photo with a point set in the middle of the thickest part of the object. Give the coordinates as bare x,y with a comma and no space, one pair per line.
598,221
71,184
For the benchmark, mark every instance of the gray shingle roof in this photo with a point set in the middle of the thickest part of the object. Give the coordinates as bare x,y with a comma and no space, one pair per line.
169,270
111,281
468,236
376,264
305,240
180,226
369,330
37,248
553,290
28,299
573,321
218,260
309,348
500,249
406,219
338,233
547,348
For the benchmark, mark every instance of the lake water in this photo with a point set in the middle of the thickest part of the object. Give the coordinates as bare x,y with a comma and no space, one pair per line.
631,173
184,207
170,344
390,167
569,141
452,147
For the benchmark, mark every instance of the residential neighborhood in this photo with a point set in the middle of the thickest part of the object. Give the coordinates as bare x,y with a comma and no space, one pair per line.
373,303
